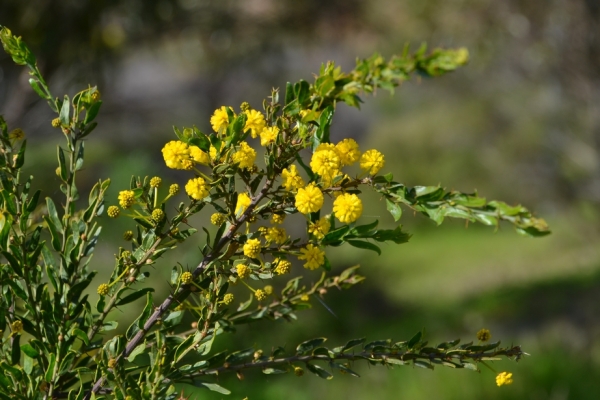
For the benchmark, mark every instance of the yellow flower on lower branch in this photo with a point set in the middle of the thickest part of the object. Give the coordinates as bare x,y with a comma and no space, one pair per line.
347,208
103,289
268,135
277,235
252,248
320,228
243,271
113,211
504,378
255,122
283,266
245,156
314,257
220,119
291,179
126,198
155,182
186,277
228,299
309,199
372,161
196,188
260,294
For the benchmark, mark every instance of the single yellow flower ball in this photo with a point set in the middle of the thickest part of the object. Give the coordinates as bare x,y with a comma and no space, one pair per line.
158,215
173,189
268,290
113,211
320,228
197,188
347,208
252,248
56,122
220,119
217,219
17,326
103,289
309,199
291,179
314,257
504,378
245,156
126,198
372,161
128,235
243,271
186,277
348,151
228,299
243,201
255,122
484,335
283,266
260,294
155,182
278,219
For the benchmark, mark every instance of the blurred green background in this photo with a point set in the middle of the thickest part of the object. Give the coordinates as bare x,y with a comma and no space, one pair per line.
520,123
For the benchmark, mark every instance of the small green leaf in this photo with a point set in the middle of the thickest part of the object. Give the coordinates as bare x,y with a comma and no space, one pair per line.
394,209
364,245
320,372
310,345
415,339
64,112
29,350
214,387
353,343
134,296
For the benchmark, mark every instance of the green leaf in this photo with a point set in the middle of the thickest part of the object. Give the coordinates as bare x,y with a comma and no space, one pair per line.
21,155
139,349
64,112
35,84
134,296
15,354
353,343
29,350
344,369
273,371
62,163
320,372
81,335
214,387
364,245
92,112
310,345
50,370
394,209
53,216
415,339
423,364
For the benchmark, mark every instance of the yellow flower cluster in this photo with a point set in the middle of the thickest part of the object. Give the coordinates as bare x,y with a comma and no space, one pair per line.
347,151
128,235
504,378
314,257
113,211
126,198
484,335
173,189
291,179
255,122
326,162
372,161
260,294
277,235
157,215
220,120
268,290
278,218
320,228
268,135
252,248
245,156
228,299
197,188
17,326
186,277
309,199
179,155
243,271
103,289
347,208
217,219
155,182
243,201
283,266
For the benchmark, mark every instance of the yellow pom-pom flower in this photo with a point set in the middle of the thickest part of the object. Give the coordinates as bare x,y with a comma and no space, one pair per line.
228,298
347,208
484,335
260,294
245,156
113,211
348,151
128,235
155,182
196,188
291,179
177,155
56,122
199,156
158,215
220,120
504,378
277,235
217,219
173,189
252,248
314,257
255,122
16,327
243,271
103,289
372,161
268,290
320,228
243,201
325,161
309,199
283,266
186,277
268,135
126,198
278,219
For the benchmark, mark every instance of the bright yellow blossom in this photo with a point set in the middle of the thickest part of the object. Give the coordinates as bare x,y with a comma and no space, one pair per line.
255,121
103,289
283,266
504,378
252,248
113,211
173,189
243,201
325,161
309,199
276,235
177,155
218,219
196,188
268,135
155,182
126,198
243,271
372,161
199,156
347,208
245,156
220,119
320,228
348,151
314,256
260,294
291,179
186,277
278,218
